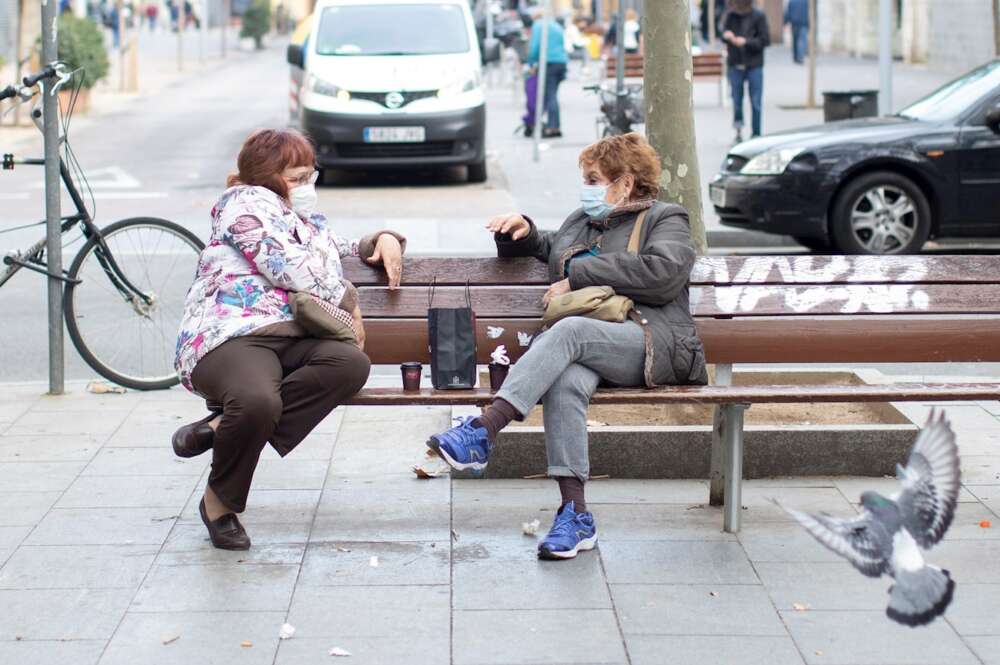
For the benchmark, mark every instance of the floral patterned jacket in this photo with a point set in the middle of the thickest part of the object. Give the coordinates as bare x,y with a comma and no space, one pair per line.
258,251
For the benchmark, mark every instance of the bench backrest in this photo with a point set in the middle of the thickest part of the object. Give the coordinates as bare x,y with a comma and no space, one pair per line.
704,65
755,309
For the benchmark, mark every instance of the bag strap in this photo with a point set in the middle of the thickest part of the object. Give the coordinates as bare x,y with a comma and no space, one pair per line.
430,293
633,241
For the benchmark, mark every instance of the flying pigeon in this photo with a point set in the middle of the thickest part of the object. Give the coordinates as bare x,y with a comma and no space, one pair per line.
888,535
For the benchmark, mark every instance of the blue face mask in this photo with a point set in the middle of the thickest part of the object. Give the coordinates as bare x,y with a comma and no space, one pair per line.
592,198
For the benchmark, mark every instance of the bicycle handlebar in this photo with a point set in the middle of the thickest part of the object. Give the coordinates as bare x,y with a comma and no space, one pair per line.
8,92
49,71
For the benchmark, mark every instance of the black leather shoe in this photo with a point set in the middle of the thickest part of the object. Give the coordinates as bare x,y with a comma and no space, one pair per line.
226,532
194,439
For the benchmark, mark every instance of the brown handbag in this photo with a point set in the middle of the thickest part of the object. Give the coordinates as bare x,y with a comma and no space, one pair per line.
322,319
595,302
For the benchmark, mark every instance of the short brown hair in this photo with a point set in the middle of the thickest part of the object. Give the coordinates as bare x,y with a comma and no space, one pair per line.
629,154
266,154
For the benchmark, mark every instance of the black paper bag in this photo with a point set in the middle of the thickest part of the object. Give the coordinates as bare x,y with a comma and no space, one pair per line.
451,332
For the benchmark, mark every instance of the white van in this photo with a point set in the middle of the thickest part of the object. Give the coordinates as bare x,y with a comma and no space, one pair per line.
392,84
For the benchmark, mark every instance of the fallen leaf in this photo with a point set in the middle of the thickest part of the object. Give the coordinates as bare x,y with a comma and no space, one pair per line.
428,474
800,607
986,524
373,562
530,528
167,640
819,653
602,476
101,388
596,423
535,476
454,535
286,632
713,594
342,549
337,651
431,453
246,644
18,638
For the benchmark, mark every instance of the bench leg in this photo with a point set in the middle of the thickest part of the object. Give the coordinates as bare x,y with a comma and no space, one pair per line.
717,473
732,435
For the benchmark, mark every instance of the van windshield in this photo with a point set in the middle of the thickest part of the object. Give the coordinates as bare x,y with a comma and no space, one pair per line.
428,29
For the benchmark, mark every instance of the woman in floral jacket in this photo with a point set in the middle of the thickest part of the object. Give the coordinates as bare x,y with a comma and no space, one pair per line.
264,378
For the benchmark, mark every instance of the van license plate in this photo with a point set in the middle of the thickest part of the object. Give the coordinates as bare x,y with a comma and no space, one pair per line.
395,135
718,195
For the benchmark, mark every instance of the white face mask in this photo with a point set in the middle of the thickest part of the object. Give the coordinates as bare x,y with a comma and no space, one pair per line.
303,199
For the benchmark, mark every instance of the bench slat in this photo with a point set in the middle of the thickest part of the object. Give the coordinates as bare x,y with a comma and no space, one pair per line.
897,392
808,340
805,269
846,300
720,301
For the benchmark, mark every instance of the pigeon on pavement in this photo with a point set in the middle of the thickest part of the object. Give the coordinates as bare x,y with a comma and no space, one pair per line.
889,533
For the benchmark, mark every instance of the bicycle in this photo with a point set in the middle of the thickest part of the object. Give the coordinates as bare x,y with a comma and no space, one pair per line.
122,302
620,109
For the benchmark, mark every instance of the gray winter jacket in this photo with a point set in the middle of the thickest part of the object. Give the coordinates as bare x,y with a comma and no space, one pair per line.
656,279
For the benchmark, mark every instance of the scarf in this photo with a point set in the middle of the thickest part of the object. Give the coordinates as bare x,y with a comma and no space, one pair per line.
621,211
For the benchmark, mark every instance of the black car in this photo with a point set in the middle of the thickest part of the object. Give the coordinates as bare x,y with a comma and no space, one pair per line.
876,185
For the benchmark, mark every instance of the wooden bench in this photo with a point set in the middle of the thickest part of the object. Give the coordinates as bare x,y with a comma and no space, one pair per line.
749,310
706,66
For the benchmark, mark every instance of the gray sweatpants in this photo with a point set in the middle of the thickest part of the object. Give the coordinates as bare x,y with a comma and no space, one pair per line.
563,368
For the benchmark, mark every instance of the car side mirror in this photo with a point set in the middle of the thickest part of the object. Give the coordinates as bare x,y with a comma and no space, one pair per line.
295,56
491,50
993,120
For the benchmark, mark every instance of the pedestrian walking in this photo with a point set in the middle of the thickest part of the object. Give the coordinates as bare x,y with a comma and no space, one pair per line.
720,10
745,31
656,344
264,377
633,32
797,18
555,68
152,11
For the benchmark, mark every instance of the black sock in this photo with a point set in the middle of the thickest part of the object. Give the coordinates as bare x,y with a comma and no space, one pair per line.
571,489
496,416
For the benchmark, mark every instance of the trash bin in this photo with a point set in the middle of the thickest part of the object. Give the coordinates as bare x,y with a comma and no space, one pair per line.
845,105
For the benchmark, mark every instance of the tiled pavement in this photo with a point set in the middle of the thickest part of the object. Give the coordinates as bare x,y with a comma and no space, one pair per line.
104,558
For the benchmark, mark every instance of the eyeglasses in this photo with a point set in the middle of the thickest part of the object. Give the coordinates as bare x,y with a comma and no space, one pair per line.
307,179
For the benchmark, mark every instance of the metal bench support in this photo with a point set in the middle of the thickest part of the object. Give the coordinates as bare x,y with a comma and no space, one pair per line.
717,473
732,438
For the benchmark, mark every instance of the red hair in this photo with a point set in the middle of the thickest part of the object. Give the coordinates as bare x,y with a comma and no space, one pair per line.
266,154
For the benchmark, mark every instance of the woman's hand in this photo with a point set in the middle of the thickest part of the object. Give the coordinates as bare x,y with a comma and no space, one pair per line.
359,326
389,253
557,289
514,224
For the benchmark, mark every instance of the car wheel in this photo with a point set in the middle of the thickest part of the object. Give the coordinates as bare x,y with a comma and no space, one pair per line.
814,244
880,213
477,172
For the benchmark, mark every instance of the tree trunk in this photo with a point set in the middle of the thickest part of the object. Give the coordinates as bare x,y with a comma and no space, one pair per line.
996,27
670,108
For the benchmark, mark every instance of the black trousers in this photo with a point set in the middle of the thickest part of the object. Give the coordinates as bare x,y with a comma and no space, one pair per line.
270,389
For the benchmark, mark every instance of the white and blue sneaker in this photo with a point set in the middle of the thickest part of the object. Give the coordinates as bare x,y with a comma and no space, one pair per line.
463,446
571,532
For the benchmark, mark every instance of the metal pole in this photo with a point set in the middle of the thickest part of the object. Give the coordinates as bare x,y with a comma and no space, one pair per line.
540,84
811,90
885,57
732,435
203,32
53,235
181,20
489,19
620,48
120,8
711,24
225,24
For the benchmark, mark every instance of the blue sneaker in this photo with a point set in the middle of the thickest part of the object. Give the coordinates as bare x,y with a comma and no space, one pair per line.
571,532
463,446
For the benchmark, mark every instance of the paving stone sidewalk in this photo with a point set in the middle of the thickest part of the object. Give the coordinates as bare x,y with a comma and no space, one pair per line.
103,558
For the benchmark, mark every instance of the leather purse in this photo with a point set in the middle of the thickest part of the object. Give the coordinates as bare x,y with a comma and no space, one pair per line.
595,302
322,319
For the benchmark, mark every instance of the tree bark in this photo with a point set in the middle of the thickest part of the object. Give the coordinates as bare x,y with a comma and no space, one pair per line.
670,108
996,27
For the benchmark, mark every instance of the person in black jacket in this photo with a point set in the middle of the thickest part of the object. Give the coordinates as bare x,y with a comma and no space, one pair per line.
745,31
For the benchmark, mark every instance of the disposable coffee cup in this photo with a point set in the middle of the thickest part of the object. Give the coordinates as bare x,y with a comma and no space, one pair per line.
411,375
498,373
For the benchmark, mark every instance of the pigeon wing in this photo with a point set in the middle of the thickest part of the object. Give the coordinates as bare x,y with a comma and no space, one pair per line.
930,483
862,540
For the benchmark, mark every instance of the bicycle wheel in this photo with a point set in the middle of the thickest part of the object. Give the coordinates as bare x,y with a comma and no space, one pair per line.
132,343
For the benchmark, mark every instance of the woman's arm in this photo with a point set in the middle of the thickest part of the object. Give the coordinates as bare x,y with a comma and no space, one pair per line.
655,276
536,243
257,230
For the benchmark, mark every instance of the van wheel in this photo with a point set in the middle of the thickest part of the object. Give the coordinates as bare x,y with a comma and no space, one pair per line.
880,213
477,171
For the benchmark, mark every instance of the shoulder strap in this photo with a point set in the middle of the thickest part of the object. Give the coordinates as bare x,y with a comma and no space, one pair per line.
633,241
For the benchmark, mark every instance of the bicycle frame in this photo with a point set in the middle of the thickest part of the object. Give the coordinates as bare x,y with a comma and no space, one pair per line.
32,258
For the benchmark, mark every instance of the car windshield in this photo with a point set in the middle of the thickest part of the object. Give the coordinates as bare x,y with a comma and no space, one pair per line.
951,100
392,30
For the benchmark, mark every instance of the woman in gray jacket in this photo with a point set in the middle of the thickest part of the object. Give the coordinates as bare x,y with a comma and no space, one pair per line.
658,344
